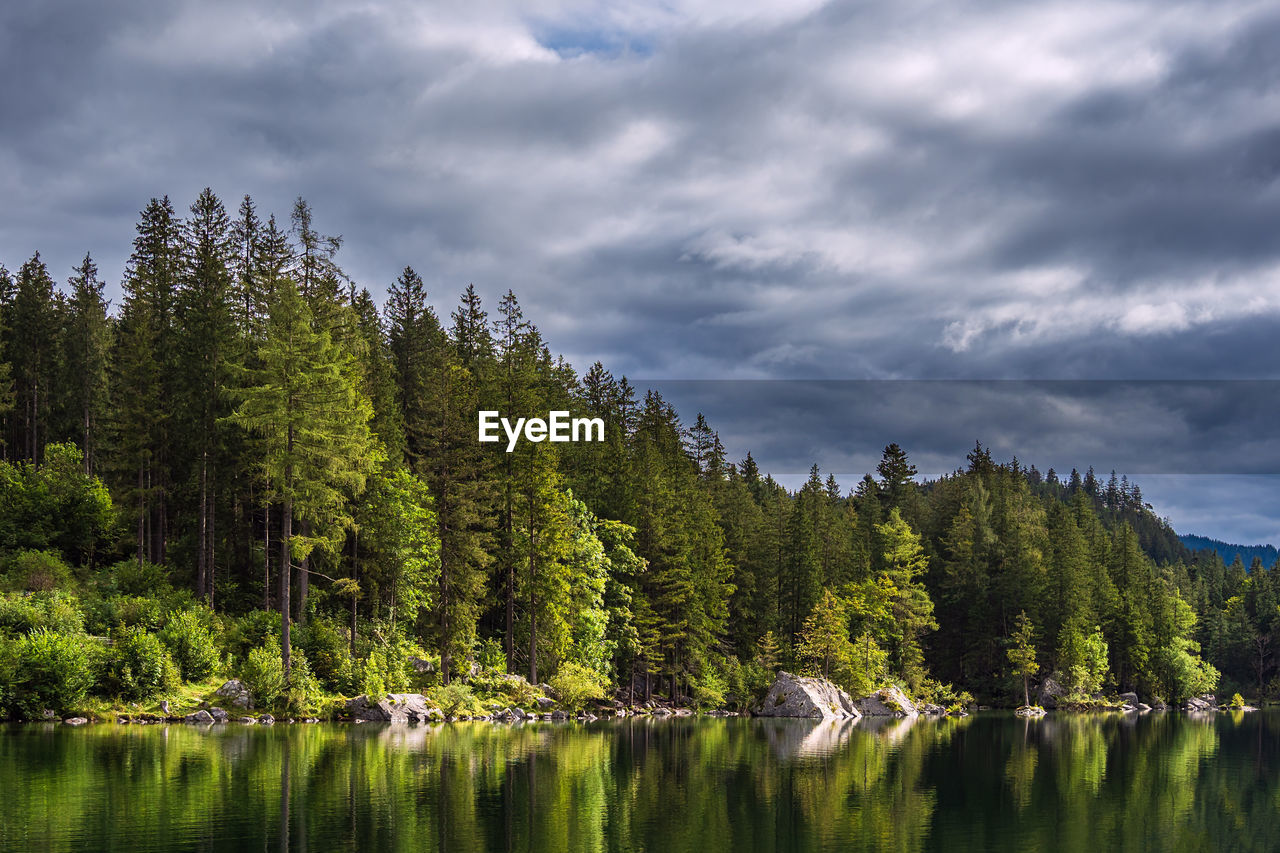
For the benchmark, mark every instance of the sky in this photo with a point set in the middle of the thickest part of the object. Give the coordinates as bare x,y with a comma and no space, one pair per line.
746,194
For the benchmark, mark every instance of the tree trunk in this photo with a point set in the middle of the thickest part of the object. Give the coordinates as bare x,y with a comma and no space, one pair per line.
266,557
286,562
304,578
355,576
202,528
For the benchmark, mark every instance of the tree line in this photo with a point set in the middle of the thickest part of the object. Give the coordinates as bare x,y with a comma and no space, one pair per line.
264,431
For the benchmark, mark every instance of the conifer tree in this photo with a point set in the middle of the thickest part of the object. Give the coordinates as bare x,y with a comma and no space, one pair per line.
88,348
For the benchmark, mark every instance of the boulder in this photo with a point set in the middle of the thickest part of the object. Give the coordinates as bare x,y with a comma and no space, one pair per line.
544,703
236,694
1158,704
1051,690
422,666
559,715
1030,711
886,702
813,698
75,721
392,708
266,720
1143,707
931,709
1129,698
200,717
219,715
248,721
1202,704
661,711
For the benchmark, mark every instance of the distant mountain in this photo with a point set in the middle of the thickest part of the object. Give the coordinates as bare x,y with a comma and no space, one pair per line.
1228,552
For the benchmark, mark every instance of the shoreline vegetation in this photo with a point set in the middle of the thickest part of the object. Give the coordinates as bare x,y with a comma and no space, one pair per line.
249,470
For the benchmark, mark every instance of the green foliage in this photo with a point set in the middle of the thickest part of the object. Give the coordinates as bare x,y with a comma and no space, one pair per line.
37,571
302,692
328,653
134,578
191,644
48,671
263,673
824,644
574,684
139,667
54,507
1022,653
456,700
1083,662
490,655
252,631
710,688
22,613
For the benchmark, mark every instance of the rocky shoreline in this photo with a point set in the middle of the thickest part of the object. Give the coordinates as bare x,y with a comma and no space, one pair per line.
790,696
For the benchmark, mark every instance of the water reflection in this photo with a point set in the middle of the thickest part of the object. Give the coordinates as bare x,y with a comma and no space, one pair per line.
984,782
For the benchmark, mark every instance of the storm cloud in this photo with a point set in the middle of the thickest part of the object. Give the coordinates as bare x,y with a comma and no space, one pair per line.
718,190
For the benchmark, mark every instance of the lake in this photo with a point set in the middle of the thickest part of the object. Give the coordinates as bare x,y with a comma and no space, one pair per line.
989,782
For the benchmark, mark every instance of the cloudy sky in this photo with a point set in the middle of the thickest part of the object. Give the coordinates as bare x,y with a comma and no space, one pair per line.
740,190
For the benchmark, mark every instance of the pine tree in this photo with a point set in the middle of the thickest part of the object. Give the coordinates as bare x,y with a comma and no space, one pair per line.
88,350
36,327
313,423
1022,654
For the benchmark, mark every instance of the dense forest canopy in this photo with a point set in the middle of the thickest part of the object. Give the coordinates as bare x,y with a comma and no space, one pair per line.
250,427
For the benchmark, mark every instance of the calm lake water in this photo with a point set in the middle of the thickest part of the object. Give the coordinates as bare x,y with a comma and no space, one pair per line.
990,782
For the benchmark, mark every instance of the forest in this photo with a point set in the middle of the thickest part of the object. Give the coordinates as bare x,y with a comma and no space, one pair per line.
249,461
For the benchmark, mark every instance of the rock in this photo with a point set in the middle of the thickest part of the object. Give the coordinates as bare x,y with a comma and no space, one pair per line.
1158,704
248,721
661,711
519,713
813,698
75,721
392,708
1202,704
544,703
1051,690
164,707
421,665
1030,711
1129,698
219,715
266,720
559,715
199,717
886,702
1143,707
236,693
931,709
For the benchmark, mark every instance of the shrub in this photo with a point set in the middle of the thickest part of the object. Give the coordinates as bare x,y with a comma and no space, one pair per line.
1237,701
42,611
301,695
37,571
490,655
129,577
709,688
252,631
574,684
456,699
139,667
328,654
49,671
192,646
263,673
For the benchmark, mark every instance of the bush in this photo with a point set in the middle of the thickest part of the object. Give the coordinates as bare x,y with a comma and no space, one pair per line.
301,695
490,655
48,671
456,700
129,577
252,631
709,688
139,667
1237,701
574,684
42,611
263,673
192,646
328,654
37,571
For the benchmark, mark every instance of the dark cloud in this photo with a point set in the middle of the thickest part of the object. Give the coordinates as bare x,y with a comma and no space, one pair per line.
716,190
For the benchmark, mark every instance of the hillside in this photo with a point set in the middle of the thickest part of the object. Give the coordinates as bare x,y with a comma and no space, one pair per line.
1228,552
